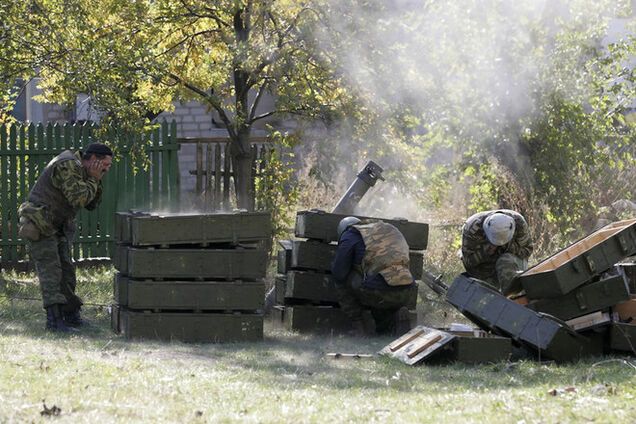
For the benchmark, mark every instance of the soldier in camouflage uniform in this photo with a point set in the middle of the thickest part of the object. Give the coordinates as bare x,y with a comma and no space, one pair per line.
69,182
496,246
372,277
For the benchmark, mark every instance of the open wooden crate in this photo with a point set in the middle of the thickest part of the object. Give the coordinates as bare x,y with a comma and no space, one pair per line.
580,262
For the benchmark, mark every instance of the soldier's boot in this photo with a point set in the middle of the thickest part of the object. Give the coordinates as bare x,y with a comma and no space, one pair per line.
402,322
365,326
74,319
55,320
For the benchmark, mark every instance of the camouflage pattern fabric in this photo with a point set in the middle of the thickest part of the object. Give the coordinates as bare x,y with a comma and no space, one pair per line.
354,299
55,270
63,188
481,259
387,253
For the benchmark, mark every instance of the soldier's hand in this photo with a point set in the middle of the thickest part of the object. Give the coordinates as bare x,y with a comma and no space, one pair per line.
490,249
96,169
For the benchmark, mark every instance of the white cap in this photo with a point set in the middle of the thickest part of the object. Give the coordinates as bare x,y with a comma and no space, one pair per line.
499,228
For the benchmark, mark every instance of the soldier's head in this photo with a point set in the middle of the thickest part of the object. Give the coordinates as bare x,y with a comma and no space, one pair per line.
346,223
499,228
98,156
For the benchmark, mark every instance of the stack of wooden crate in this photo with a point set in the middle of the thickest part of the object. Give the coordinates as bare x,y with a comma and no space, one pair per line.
588,287
305,295
191,277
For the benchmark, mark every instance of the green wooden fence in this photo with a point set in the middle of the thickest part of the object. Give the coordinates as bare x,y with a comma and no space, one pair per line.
26,149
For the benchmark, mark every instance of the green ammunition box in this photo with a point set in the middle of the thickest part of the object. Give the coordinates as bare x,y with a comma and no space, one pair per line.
228,264
315,224
307,285
114,318
424,344
628,270
313,255
580,262
476,350
623,337
316,319
168,229
284,258
191,327
586,299
122,227
493,312
279,288
189,295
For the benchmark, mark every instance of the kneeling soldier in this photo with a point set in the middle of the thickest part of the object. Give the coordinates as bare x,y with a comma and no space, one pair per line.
496,246
372,277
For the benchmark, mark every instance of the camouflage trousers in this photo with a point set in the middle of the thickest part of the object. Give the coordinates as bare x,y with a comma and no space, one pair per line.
502,277
55,271
354,299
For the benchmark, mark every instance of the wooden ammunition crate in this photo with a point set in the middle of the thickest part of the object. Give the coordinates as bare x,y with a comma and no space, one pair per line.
626,310
313,255
424,344
189,295
284,257
191,327
628,270
585,299
493,312
623,337
307,285
228,264
581,262
316,319
147,229
323,226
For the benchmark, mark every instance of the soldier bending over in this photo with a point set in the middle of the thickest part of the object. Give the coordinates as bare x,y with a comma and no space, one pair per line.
69,182
496,246
372,277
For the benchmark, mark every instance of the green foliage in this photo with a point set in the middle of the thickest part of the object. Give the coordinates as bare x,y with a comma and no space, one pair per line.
276,189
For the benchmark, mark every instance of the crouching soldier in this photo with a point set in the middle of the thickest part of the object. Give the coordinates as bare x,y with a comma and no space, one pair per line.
372,277
69,182
496,246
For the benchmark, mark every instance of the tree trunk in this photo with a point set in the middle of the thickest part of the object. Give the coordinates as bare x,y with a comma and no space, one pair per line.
242,167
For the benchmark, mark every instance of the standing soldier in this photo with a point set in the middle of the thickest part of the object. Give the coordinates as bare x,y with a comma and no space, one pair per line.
496,246
372,277
69,182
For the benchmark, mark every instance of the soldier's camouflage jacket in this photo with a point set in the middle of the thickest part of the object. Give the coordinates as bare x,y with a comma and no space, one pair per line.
387,253
475,243
62,189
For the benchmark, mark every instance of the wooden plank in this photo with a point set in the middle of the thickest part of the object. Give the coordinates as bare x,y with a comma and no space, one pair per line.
227,170
173,163
317,256
13,200
191,328
4,194
166,229
217,177
189,295
229,264
323,226
199,180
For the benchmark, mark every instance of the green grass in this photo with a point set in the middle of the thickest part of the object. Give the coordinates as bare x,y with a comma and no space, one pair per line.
99,376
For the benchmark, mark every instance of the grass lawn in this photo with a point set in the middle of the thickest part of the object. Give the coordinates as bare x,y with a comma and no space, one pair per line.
98,376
